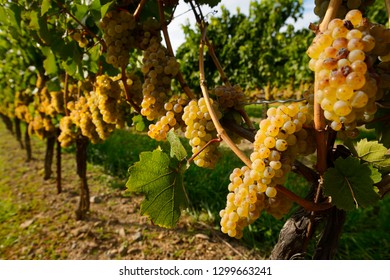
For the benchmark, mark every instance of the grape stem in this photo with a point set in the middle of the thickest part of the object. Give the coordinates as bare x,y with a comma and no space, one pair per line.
66,94
100,40
126,87
204,147
203,85
211,51
214,57
164,28
246,133
308,205
138,11
330,13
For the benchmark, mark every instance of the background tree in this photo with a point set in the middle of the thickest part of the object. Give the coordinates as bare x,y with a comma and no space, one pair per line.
256,49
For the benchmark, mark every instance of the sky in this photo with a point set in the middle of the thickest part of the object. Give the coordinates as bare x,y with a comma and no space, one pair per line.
182,15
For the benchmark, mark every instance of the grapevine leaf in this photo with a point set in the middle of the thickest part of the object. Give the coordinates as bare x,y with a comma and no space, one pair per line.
376,176
177,148
105,8
350,184
375,153
160,179
79,11
46,4
50,62
34,20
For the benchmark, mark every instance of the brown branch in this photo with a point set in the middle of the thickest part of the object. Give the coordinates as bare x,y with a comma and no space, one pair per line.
245,133
309,174
200,21
308,205
128,94
66,94
220,130
246,118
139,9
211,51
164,28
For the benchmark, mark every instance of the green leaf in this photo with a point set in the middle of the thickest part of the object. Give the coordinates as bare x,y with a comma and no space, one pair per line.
375,153
50,62
160,179
376,176
177,149
80,11
34,20
105,8
46,4
350,184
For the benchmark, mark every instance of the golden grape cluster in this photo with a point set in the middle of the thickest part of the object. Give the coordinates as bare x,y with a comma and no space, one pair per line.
279,140
68,131
158,69
97,112
230,97
118,27
105,104
200,130
171,119
341,57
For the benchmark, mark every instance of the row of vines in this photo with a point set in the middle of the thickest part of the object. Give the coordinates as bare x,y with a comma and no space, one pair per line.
74,71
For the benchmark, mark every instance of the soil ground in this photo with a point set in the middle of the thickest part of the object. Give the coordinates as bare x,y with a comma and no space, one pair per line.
38,223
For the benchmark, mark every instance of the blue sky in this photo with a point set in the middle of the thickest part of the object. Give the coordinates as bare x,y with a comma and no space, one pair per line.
181,17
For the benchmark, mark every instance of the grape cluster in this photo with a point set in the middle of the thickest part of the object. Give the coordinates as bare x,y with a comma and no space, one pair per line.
57,101
102,128
200,130
108,92
158,69
340,57
118,27
321,7
171,119
279,140
80,38
230,96
68,131
81,117
97,112
41,125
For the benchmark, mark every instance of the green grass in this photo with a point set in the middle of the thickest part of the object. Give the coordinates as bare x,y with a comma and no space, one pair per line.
120,151
254,110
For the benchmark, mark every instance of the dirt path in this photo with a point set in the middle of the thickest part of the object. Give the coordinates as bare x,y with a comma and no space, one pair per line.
38,223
